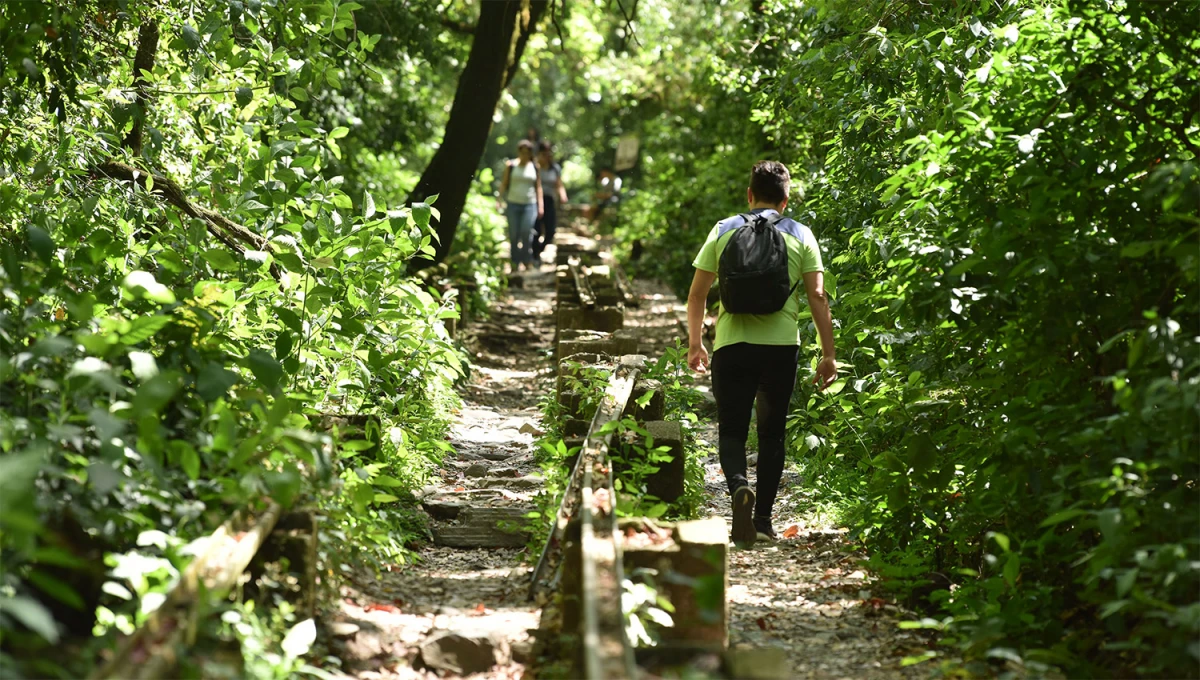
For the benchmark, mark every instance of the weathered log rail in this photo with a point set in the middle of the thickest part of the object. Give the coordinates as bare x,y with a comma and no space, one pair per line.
585,560
152,651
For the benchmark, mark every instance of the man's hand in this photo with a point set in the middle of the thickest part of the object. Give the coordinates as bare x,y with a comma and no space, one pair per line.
698,359
826,373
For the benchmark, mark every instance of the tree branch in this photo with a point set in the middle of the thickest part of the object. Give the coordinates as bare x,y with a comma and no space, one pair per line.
554,6
629,17
222,228
458,26
527,18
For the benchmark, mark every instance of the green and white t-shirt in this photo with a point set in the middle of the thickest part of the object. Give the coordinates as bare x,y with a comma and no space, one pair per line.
779,328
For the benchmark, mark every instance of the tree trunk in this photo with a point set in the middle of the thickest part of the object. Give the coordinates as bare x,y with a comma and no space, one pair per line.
143,61
503,30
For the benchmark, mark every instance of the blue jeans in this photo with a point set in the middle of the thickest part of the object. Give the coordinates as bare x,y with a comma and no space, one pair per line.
521,217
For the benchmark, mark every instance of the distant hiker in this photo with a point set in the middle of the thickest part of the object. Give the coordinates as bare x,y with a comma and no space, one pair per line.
608,192
761,258
521,187
555,195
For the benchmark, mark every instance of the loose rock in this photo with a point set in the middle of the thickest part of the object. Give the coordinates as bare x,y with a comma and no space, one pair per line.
526,482
477,470
462,654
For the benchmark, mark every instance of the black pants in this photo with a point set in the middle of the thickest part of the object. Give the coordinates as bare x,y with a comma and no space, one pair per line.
545,226
763,376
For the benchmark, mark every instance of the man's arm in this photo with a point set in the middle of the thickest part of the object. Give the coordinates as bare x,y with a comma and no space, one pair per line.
561,189
696,304
818,302
538,190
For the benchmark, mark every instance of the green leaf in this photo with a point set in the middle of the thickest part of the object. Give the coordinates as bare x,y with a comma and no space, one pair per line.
214,381
282,147
284,485
290,319
284,342
143,365
1112,607
156,393
264,367
1012,568
191,37
17,472
56,589
40,243
220,259
32,615
290,260
244,96
143,285
1109,521
339,132
656,510
922,453
299,639
1001,540
385,498
385,480
1061,516
190,460
299,94
837,386
1126,581
368,205
143,328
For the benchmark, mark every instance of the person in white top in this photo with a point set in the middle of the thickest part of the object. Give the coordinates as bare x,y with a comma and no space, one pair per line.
551,174
521,188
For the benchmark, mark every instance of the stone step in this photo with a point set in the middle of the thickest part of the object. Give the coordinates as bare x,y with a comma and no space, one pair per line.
475,526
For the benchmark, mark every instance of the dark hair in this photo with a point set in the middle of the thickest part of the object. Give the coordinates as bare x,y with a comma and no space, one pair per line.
770,182
545,145
525,144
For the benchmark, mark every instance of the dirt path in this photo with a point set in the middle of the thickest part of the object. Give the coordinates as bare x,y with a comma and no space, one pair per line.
804,595
799,608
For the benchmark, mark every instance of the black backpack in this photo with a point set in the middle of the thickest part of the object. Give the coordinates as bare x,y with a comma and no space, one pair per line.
753,269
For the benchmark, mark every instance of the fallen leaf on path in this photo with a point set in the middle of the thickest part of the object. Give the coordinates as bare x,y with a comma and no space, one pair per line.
460,488
792,531
381,607
479,608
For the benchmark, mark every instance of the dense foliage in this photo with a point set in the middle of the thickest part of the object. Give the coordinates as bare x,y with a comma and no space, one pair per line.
191,289
204,243
1007,196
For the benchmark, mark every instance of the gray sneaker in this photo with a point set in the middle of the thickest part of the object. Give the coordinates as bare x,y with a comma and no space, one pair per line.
744,532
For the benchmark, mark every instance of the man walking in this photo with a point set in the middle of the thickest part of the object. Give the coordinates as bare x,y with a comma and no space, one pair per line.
757,345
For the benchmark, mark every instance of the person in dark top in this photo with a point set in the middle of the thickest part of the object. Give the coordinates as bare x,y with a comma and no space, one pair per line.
554,194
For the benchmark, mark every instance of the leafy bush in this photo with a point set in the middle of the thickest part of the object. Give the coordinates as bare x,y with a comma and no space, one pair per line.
1007,198
186,319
